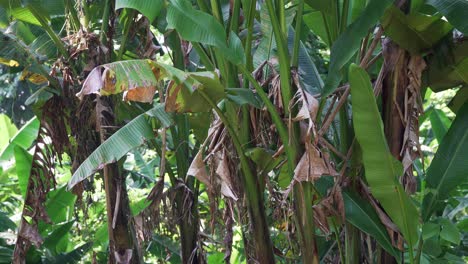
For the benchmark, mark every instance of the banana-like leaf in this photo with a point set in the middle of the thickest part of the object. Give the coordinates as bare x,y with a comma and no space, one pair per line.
130,136
23,161
56,237
242,96
382,170
73,256
197,26
8,130
59,204
23,138
329,16
459,99
135,78
314,20
440,123
448,68
138,80
349,41
149,9
266,49
361,214
183,94
6,223
456,12
449,168
414,32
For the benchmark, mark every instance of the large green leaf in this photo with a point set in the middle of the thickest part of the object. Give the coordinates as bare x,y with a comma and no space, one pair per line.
8,130
130,136
23,138
314,20
414,32
242,96
197,26
449,168
56,236
59,205
6,223
361,214
184,94
6,254
448,68
329,16
23,168
456,12
348,43
74,256
381,169
149,9
440,123
459,99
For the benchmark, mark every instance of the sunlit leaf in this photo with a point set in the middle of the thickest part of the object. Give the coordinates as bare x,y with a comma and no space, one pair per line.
440,124
23,168
23,138
8,130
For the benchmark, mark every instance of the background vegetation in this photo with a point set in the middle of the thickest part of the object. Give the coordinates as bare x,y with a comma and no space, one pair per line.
241,131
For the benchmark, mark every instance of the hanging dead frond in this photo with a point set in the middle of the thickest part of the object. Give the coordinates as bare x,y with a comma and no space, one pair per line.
411,149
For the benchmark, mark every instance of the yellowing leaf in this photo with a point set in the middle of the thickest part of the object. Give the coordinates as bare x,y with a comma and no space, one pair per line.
33,77
9,63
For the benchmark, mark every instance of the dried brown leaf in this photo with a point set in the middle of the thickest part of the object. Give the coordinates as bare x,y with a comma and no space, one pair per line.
311,166
225,177
198,170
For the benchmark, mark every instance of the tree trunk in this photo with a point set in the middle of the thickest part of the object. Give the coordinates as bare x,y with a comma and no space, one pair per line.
123,245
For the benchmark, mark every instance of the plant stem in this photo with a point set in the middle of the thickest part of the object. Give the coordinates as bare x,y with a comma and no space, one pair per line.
344,16
282,130
203,56
234,25
248,41
74,17
263,245
105,23
128,24
282,49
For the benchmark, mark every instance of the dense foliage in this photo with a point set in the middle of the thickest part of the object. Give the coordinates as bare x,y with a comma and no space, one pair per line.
240,131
